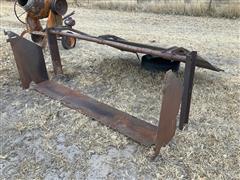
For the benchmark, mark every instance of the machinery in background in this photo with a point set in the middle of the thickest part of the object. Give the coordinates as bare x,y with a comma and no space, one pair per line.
30,12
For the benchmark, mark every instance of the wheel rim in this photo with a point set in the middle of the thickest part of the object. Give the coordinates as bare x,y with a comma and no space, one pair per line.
16,14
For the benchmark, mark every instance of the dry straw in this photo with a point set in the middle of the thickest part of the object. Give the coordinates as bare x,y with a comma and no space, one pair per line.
227,9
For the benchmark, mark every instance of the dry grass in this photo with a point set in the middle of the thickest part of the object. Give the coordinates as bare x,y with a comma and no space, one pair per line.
227,9
42,139
178,7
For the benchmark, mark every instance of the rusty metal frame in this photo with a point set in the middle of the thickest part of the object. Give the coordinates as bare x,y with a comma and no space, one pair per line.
137,129
172,53
188,86
55,55
191,60
31,66
24,52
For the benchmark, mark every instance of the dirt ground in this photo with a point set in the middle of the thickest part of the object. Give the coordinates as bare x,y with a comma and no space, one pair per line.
42,139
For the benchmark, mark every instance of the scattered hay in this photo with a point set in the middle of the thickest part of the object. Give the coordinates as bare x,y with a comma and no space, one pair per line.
177,7
40,138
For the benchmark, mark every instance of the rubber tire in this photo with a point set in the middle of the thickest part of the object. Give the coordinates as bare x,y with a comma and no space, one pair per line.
157,64
66,42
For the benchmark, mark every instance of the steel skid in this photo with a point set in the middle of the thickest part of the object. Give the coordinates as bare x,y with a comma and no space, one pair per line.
31,67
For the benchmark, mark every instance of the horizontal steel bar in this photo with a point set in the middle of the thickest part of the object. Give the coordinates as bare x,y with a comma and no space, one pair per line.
138,130
123,46
133,47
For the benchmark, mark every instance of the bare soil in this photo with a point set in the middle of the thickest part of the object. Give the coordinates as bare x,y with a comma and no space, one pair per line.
42,139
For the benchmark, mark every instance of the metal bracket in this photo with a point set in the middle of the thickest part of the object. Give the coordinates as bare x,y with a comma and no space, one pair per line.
29,59
31,66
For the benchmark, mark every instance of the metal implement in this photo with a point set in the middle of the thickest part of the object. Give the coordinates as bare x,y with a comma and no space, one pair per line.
188,86
53,10
139,130
179,53
31,66
29,59
40,9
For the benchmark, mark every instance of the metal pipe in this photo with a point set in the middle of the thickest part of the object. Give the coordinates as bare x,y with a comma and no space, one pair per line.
122,46
133,47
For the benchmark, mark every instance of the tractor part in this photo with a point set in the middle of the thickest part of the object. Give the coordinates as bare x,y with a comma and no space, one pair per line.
29,59
173,54
31,67
36,10
69,42
70,22
40,9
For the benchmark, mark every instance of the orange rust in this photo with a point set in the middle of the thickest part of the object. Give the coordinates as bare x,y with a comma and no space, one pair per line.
33,20
54,20
23,33
33,23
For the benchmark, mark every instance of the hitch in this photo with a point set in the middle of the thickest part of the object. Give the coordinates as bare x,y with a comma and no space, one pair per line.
31,67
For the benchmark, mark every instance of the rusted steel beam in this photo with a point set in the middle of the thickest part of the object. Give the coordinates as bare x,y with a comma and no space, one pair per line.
130,126
31,66
55,55
135,48
139,130
188,86
29,59
171,101
122,46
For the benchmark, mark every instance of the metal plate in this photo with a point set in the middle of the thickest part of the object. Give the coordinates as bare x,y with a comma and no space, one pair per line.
29,59
172,94
137,129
